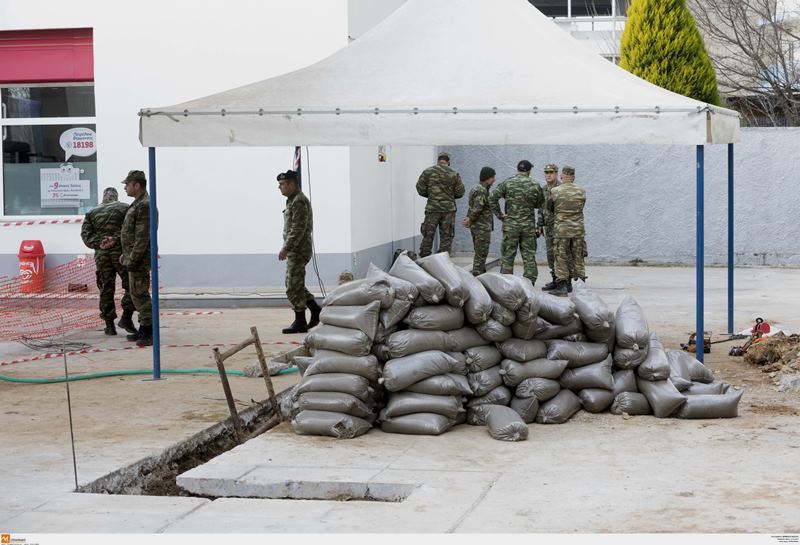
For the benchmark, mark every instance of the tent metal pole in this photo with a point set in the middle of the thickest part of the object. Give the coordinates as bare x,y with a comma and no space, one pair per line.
730,239
154,264
699,337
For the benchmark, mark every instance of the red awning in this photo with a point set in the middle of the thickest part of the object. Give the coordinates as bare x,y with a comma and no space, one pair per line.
41,56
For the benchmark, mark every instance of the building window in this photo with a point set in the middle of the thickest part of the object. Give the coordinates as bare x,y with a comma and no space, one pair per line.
582,8
49,145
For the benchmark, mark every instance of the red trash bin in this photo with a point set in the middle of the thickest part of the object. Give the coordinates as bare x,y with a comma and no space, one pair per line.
31,266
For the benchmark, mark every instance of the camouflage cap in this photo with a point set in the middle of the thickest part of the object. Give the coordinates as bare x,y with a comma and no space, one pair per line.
135,176
569,171
288,175
443,155
550,167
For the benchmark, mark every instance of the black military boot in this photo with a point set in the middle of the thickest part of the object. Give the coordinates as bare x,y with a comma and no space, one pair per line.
135,336
550,286
561,290
299,325
145,336
126,322
110,329
313,307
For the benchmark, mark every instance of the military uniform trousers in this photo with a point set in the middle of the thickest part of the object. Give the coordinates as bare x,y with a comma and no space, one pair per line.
551,254
480,241
139,281
107,267
296,290
570,251
445,221
522,236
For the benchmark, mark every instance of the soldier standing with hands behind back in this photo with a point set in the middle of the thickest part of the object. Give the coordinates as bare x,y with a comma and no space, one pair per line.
441,185
566,203
480,220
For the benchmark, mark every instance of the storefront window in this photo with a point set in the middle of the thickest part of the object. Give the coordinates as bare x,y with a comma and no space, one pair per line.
47,101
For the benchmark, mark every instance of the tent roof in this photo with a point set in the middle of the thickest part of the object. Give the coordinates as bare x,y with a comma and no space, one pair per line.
447,72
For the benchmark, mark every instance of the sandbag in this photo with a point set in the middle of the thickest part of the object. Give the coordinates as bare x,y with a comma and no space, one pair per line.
412,341
403,289
699,372
596,400
363,317
460,357
547,331
403,403
556,310
382,333
632,403
631,325
484,382
522,350
339,339
430,289
435,318
499,396
526,407
503,289
478,307
595,375
527,329
465,338
336,382
505,424
361,292
479,358
540,388
393,315
679,367
577,354
381,351
514,372
418,424
502,314
655,366
335,402
576,338
713,388
624,381
302,363
605,335
629,358
330,424
442,385
398,373
711,406
590,308
529,309
325,361
494,331
476,416
662,396
441,267
559,409
680,384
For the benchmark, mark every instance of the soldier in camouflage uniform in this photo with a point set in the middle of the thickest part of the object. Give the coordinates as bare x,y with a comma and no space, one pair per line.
298,226
135,239
566,204
523,197
101,232
480,220
551,179
441,185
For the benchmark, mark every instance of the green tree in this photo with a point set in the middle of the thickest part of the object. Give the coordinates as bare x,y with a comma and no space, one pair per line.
662,45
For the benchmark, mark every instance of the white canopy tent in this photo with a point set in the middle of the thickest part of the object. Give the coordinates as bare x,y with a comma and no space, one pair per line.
453,72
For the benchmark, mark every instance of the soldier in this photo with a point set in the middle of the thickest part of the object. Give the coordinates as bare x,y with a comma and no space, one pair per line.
523,196
566,203
101,232
551,179
480,220
298,225
135,241
441,185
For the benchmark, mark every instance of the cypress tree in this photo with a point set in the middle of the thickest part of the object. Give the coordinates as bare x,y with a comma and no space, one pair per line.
662,45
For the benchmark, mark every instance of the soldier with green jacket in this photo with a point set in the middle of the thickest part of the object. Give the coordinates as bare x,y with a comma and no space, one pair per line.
566,204
298,227
101,231
523,196
441,185
480,220
551,180
135,239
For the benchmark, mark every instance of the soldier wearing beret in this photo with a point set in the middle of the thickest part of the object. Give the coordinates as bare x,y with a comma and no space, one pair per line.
480,220
566,204
441,185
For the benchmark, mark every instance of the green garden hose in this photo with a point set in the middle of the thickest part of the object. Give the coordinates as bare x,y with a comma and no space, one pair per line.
124,372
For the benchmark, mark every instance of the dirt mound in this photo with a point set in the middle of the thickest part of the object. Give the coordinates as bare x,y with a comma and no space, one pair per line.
778,353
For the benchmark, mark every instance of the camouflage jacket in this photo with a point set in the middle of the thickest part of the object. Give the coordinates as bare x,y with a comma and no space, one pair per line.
441,185
298,223
566,203
105,220
135,234
547,213
523,196
480,213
